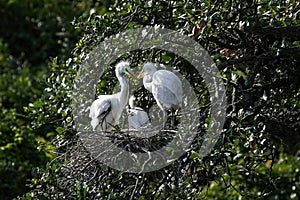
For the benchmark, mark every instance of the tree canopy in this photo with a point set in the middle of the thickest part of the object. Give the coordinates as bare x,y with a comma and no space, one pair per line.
255,45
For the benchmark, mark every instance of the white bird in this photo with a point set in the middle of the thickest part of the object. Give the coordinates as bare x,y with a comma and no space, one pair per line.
106,110
165,86
137,117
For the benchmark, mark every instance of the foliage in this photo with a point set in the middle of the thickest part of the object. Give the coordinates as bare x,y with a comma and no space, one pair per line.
256,47
18,140
30,32
40,29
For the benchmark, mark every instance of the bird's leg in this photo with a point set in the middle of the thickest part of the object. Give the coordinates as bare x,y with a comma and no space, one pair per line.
172,119
165,118
165,114
174,114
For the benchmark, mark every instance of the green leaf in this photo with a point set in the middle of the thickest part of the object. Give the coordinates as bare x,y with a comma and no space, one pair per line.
194,155
60,129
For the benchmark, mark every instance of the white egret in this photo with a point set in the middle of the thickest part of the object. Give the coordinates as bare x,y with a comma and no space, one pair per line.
165,86
106,110
137,117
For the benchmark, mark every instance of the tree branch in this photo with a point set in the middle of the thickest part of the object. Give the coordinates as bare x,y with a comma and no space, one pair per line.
282,52
292,32
283,132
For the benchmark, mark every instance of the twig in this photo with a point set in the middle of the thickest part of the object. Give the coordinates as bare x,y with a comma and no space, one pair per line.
136,183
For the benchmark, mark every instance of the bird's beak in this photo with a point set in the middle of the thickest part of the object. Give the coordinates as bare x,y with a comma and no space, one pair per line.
131,74
141,74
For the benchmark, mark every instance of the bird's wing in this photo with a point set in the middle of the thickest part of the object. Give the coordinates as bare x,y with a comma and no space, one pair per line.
169,80
165,96
144,119
99,107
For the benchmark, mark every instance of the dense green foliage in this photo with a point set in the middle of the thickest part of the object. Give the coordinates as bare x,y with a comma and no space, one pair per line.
30,33
256,47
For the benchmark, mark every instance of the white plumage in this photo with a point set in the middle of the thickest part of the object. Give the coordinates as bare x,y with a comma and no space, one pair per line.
106,110
165,86
137,117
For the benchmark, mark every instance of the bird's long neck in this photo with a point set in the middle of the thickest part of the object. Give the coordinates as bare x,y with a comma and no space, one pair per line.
124,93
147,81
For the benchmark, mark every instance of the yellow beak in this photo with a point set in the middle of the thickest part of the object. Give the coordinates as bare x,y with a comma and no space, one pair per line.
131,74
141,74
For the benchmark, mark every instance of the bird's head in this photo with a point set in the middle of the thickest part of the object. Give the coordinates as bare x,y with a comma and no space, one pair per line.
148,69
123,68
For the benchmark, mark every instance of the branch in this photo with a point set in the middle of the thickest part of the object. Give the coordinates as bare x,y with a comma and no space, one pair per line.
225,45
292,32
284,133
279,53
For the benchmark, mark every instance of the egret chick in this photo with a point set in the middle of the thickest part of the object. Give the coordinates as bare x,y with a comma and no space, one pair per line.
137,117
